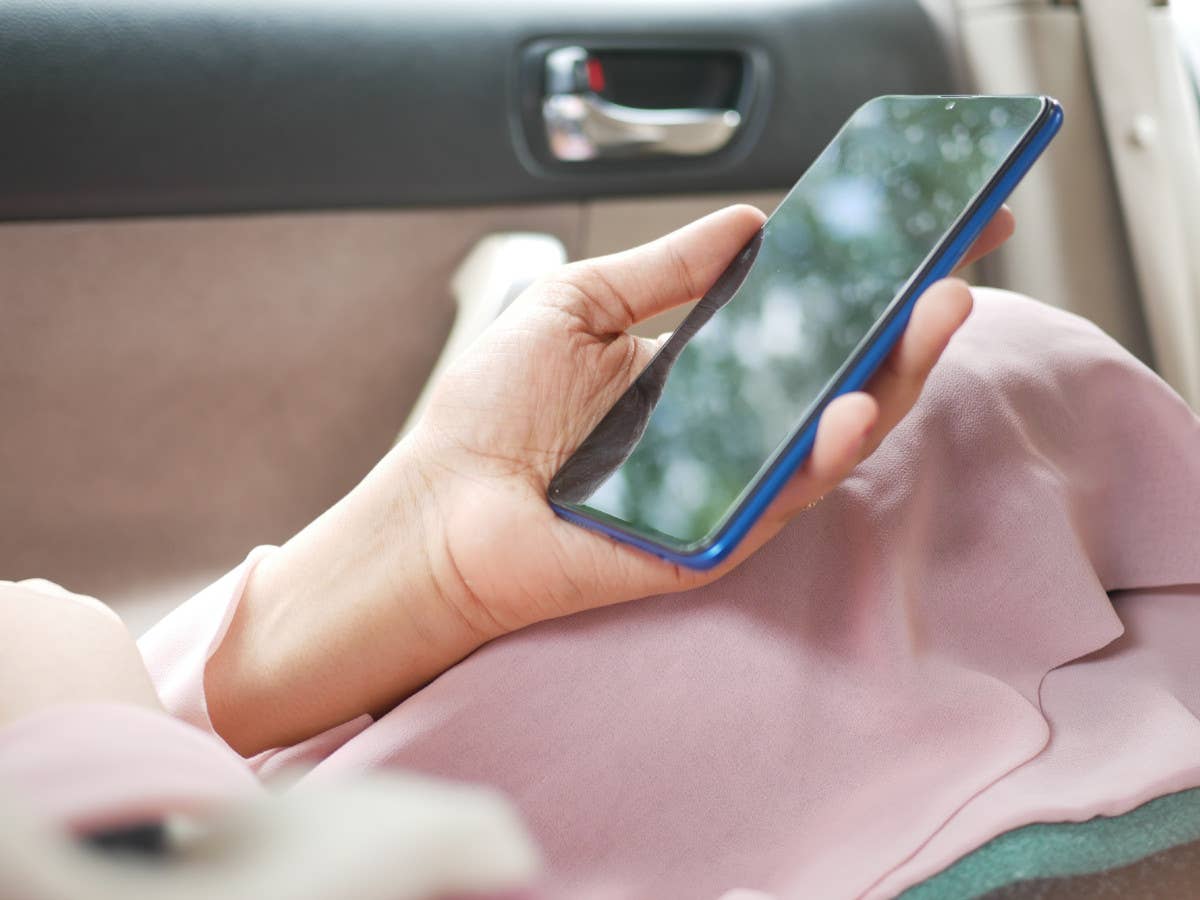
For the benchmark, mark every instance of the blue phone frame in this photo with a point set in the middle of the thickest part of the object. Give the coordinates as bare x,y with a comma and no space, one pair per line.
941,263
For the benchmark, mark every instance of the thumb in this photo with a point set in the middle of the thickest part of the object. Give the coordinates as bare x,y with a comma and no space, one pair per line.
622,289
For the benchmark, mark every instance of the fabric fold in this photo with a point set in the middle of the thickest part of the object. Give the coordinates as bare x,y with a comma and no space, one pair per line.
86,767
178,648
805,725
1124,726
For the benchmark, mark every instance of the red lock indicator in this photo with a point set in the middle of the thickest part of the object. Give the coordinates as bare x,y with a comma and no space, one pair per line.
595,74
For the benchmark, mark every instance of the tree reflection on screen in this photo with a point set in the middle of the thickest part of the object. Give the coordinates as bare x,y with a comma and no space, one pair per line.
676,453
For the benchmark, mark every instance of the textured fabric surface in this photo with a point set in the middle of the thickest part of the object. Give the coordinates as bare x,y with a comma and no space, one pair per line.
1046,851
908,671
1173,873
229,376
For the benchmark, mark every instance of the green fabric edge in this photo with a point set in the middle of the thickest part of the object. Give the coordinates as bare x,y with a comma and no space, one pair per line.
1059,849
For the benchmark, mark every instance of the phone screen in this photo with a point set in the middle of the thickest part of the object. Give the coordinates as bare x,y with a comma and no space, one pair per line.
734,382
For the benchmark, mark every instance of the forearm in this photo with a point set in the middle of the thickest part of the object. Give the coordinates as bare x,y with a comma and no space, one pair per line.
347,618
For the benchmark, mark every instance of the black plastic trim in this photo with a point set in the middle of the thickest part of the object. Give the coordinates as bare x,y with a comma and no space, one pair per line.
133,107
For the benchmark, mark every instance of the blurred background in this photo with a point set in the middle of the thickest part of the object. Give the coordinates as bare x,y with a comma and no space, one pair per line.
236,236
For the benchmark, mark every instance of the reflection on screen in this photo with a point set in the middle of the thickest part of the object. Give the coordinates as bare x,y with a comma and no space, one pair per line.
735,380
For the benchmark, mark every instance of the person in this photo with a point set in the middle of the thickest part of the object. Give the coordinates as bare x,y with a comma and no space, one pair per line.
450,539
448,545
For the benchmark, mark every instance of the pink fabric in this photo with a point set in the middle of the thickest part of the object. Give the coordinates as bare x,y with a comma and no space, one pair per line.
104,765
178,648
1124,728
907,671
806,725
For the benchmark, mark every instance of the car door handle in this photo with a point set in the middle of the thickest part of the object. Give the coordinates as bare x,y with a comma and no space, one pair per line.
582,125
585,126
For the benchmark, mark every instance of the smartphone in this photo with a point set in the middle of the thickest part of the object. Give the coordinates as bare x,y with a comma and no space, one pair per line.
692,454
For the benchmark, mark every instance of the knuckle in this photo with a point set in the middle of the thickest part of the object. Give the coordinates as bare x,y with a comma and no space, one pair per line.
683,272
585,292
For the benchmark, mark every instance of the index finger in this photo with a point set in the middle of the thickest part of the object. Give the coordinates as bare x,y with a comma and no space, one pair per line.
994,233
636,284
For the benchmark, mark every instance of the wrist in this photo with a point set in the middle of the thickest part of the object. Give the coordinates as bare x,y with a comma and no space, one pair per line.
349,617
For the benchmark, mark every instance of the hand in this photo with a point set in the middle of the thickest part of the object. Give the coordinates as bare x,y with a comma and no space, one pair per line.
507,415
64,648
450,542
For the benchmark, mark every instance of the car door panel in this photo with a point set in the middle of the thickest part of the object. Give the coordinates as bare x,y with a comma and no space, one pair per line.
177,390
225,106
229,230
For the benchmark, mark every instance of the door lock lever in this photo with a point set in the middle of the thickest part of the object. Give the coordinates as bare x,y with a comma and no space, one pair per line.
583,125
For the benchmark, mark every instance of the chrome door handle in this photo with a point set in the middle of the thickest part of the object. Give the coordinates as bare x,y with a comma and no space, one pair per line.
585,126
582,125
